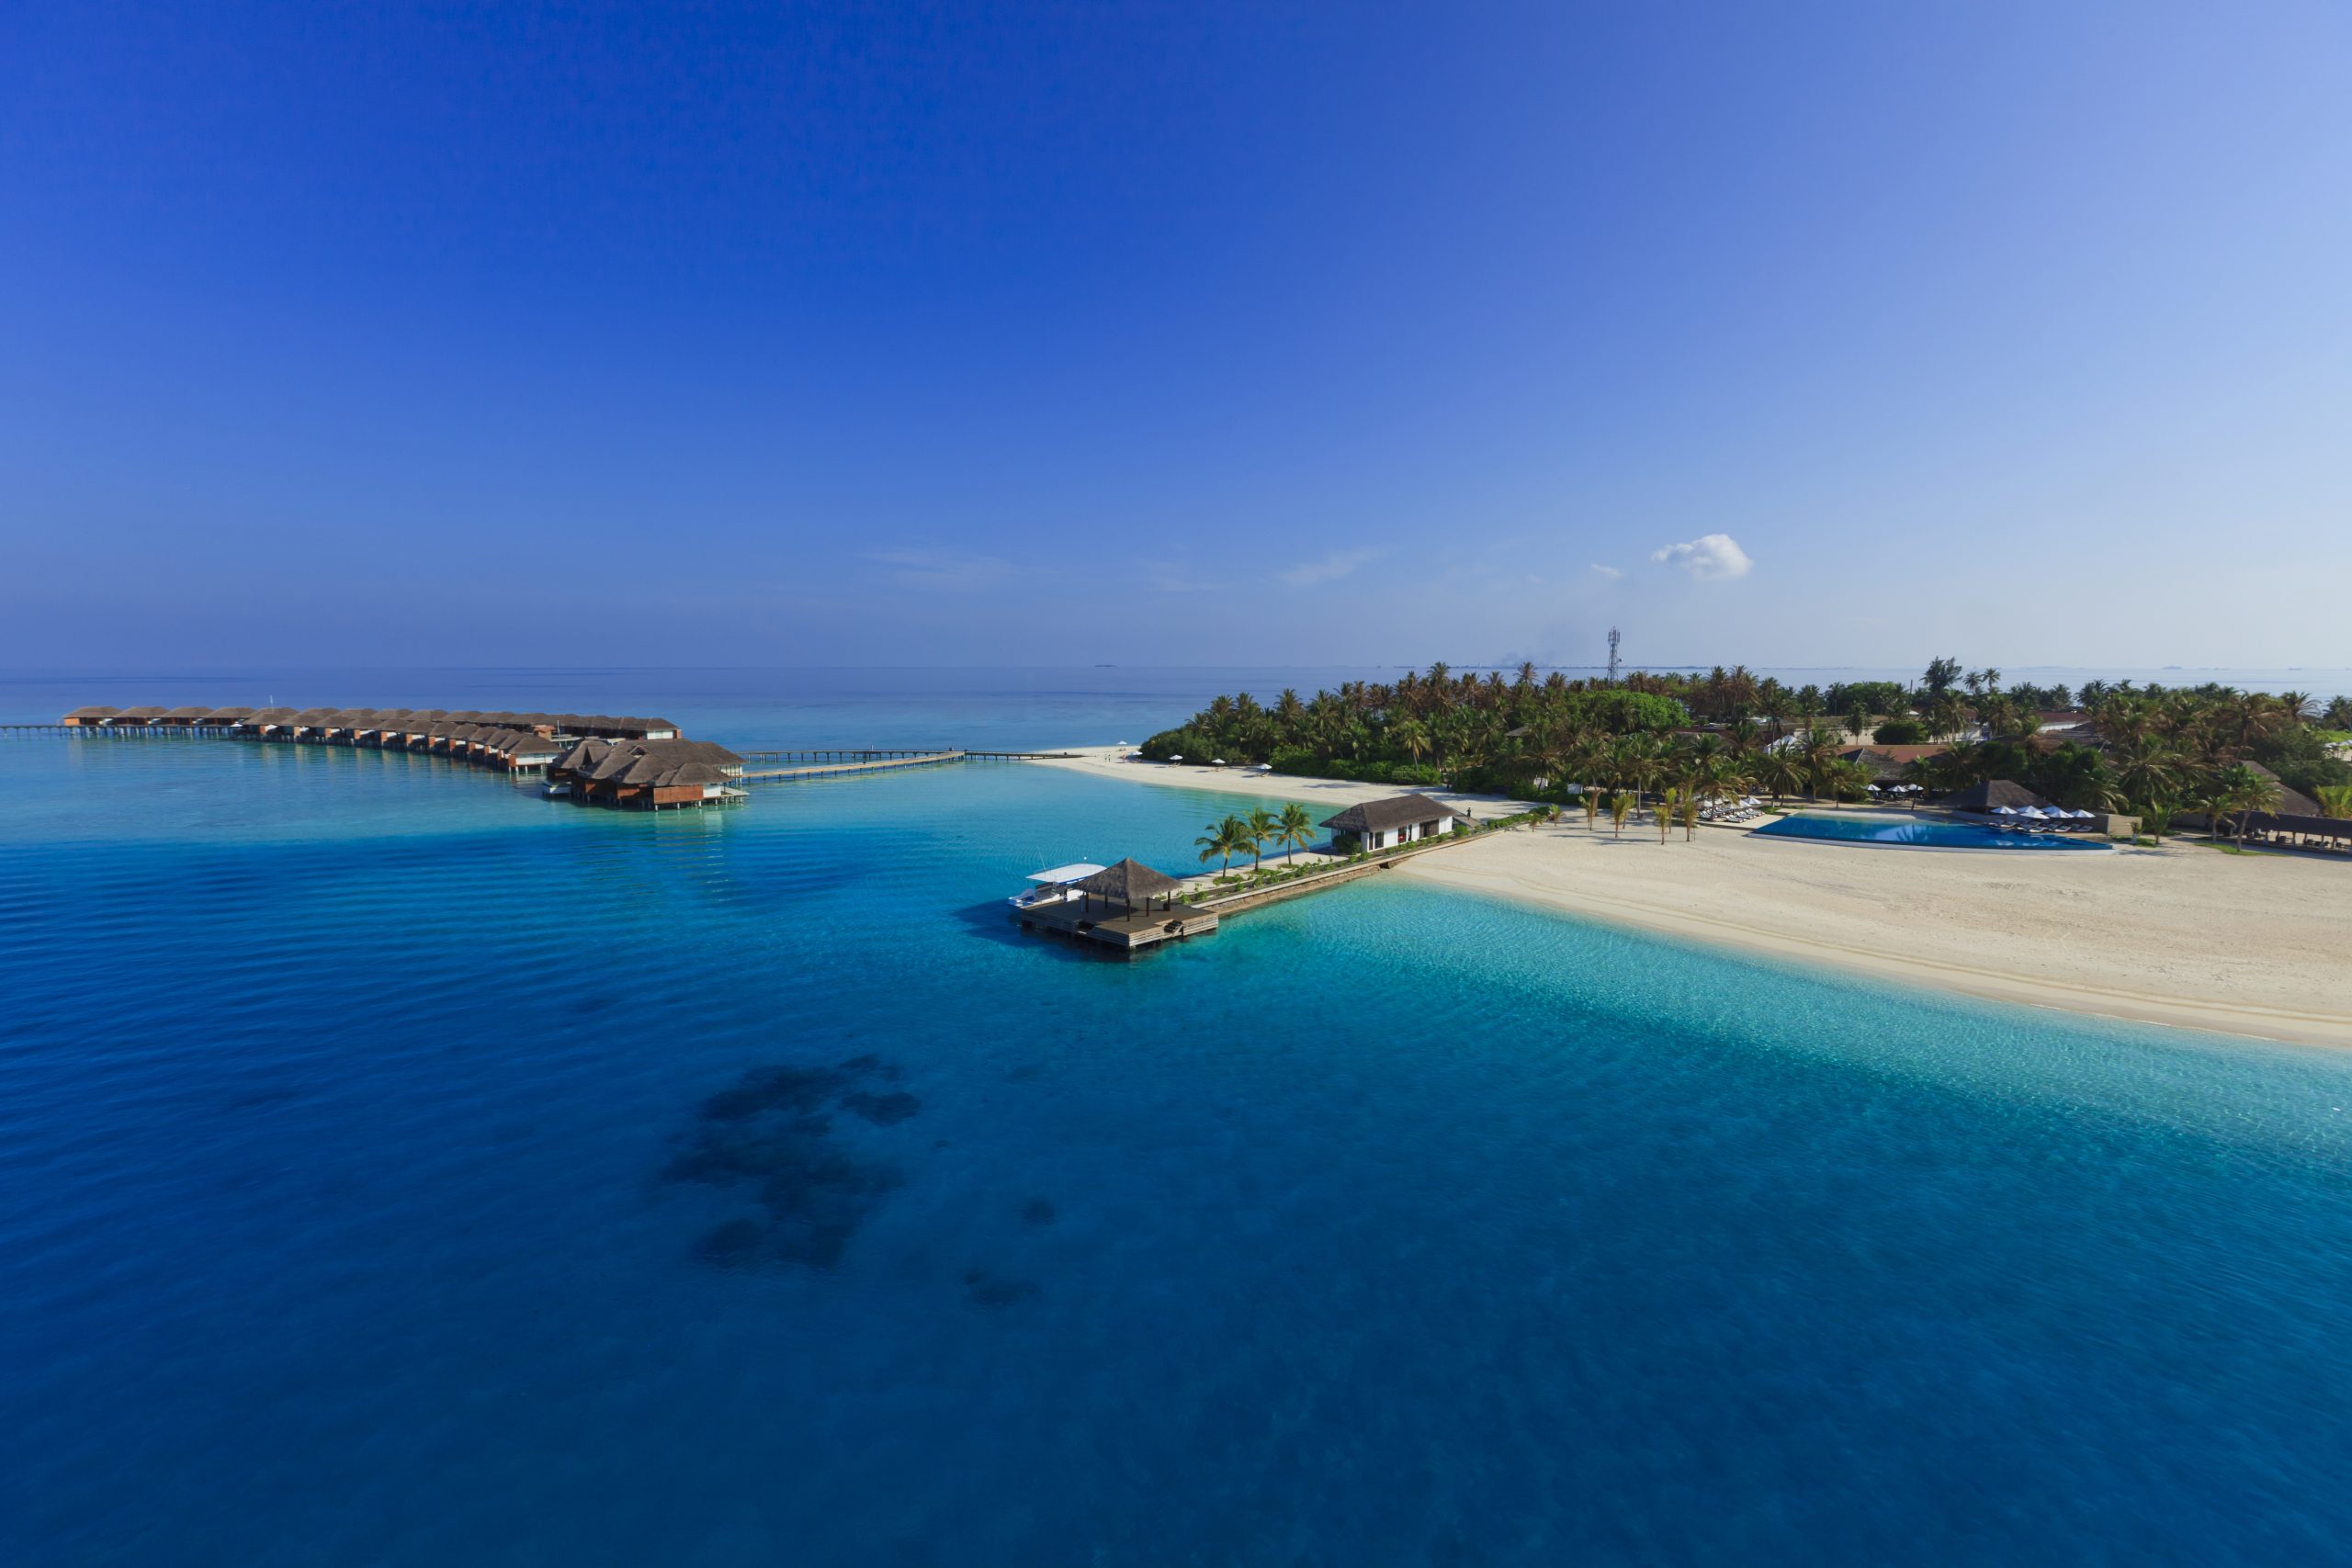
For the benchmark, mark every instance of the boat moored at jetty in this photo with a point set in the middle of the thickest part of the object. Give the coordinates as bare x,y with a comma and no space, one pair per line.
1054,885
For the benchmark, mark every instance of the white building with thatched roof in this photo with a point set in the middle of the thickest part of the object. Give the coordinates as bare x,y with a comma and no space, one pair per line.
1400,820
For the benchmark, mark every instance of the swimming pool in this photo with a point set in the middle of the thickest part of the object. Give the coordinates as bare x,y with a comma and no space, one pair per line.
1913,833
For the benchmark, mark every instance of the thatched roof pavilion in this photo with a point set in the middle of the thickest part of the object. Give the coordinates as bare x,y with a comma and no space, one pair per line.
1130,884
90,716
1993,792
135,717
183,717
225,717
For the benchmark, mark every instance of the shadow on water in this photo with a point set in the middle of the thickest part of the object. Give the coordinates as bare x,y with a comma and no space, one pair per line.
772,1135
994,923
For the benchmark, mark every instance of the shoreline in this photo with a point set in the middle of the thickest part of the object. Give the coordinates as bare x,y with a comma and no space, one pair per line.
2239,1018
2183,937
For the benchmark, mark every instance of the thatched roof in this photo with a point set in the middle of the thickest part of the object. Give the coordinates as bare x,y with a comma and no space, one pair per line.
2292,802
1994,792
1396,811
583,756
661,763
186,716
228,715
93,713
138,715
1130,883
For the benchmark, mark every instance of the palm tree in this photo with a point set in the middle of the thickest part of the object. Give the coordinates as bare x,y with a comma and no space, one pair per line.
2244,790
1620,806
2146,770
2335,800
1817,749
1260,823
1228,837
1413,736
1848,780
1591,798
1294,828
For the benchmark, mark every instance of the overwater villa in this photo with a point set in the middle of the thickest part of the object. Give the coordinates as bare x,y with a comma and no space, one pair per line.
1398,819
647,775
623,760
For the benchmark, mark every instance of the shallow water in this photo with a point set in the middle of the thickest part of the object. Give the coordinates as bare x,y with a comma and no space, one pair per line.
380,1182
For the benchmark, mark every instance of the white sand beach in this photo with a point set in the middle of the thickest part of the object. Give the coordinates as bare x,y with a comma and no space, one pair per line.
2187,936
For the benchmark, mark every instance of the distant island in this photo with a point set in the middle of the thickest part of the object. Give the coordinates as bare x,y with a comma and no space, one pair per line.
2152,751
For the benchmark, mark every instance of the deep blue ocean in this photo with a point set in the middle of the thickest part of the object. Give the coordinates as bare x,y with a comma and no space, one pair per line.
398,1168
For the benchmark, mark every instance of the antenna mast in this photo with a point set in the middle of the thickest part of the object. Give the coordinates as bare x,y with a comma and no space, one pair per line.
1612,656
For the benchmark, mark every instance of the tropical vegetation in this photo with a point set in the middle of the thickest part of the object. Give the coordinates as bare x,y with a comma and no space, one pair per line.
2149,750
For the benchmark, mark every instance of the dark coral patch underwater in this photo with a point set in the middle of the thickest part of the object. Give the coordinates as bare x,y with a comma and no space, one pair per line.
771,1133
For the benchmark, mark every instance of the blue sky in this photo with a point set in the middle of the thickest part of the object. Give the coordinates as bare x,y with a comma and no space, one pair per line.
1799,333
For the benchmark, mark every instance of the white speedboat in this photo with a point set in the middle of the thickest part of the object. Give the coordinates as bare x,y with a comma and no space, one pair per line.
1054,885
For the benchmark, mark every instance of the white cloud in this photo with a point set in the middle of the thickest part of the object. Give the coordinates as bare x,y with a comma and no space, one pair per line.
1331,569
1707,557
945,571
1609,571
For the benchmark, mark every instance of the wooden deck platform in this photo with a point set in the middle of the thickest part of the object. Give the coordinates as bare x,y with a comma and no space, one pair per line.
1117,929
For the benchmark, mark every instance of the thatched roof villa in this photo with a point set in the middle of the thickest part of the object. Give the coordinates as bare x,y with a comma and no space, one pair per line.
619,758
647,774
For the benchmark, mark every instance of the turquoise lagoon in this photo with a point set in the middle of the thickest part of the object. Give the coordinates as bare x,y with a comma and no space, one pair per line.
398,1168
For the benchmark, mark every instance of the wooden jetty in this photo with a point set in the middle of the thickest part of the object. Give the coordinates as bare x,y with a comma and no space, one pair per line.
1126,909
1157,908
850,762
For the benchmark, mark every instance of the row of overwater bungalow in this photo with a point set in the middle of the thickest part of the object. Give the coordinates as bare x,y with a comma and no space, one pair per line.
595,759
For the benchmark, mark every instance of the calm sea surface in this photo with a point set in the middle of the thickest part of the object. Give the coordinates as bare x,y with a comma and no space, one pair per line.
398,1168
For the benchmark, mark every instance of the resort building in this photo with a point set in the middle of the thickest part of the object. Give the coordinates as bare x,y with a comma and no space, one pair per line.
1400,820
1888,763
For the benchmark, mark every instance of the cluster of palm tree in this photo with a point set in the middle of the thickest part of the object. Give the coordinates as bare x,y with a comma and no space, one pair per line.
2153,751
1450,724
1292,828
